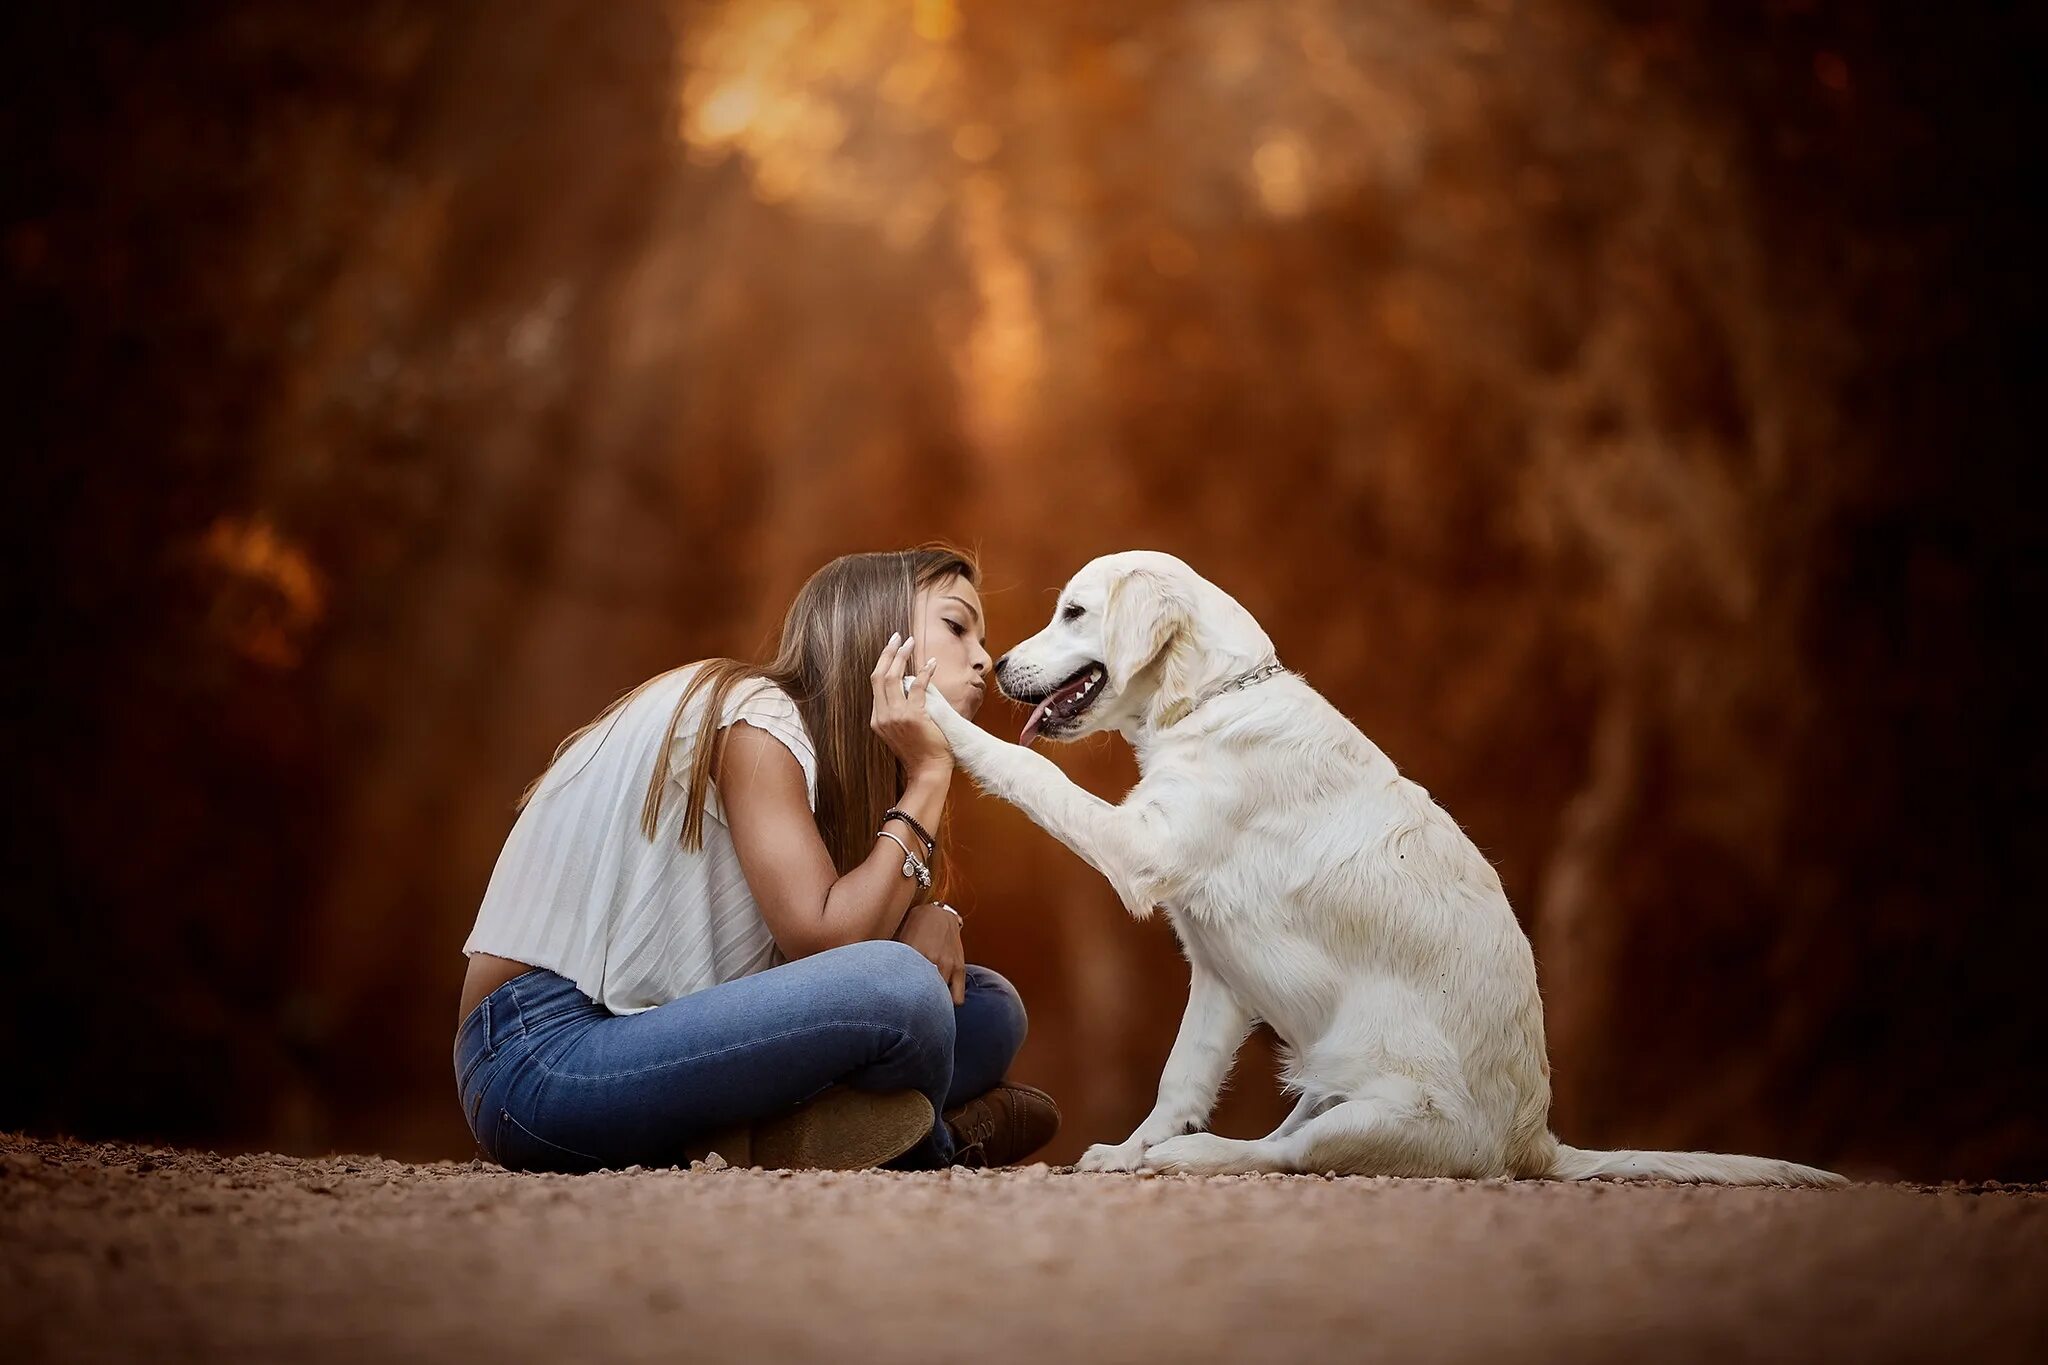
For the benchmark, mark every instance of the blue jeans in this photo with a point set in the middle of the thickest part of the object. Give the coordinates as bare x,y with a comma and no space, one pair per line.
552,1081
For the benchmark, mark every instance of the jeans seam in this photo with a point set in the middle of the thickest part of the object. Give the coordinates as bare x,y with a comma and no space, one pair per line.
505,1116
900,1036
485,1050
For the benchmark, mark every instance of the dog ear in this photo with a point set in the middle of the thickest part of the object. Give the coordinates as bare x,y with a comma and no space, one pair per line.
1147,617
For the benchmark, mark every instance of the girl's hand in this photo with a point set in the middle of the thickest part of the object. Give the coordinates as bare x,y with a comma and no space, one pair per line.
900,718
934,930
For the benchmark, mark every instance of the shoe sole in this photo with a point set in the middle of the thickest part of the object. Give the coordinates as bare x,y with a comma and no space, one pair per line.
842,1130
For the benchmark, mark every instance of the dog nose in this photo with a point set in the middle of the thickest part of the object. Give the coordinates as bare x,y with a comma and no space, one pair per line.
999,665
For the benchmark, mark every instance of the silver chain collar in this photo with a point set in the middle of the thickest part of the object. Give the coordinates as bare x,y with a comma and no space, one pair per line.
1270,668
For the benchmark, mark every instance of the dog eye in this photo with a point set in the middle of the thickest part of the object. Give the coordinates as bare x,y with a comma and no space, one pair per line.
1073,612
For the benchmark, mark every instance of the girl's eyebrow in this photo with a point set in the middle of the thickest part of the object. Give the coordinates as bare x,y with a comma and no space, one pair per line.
967,604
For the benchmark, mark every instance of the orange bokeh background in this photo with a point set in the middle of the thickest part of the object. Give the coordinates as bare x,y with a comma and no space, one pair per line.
1614,409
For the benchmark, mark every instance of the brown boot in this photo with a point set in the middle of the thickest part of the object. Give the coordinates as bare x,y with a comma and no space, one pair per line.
1004,1126
841,1130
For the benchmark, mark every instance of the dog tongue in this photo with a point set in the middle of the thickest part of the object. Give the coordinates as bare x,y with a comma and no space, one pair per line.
1072,689
1031,726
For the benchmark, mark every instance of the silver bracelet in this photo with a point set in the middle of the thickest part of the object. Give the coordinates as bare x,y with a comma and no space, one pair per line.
913,866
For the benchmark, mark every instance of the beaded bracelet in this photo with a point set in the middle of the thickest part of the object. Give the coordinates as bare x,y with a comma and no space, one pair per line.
898,813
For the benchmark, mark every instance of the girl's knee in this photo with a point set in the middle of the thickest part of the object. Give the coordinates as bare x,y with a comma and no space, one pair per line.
997,1005
900,985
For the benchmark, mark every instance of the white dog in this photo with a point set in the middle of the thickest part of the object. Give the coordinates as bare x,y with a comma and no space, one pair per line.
1311,886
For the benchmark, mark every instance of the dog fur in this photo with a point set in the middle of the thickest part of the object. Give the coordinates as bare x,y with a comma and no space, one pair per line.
1311,886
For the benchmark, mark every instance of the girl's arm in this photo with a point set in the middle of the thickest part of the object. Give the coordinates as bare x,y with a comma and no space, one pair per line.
807,905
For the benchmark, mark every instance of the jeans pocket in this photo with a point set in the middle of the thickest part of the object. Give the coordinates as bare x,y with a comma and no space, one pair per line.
519,1148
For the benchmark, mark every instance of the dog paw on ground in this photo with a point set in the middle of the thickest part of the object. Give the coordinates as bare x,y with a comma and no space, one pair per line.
1120,1156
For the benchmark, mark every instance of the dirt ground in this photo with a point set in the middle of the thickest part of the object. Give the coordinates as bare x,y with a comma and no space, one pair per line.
112,1251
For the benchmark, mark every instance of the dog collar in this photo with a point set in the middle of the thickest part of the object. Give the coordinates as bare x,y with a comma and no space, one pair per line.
1251,677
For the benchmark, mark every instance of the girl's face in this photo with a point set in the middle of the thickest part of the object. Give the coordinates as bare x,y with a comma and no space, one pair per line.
946,618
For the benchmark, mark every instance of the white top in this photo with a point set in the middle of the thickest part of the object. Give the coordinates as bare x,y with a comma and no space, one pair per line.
581,891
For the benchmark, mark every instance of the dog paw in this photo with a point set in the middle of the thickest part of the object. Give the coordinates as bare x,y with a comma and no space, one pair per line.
1197,1154
1121,1156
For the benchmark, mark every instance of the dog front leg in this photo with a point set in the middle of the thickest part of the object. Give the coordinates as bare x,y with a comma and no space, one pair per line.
1110,839
1211,1032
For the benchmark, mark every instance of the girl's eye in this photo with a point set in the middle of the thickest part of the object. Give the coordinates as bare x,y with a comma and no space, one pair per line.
956,627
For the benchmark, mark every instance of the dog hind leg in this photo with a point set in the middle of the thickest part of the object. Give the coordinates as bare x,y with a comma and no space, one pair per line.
1208,1154
1305,1108
1391,1126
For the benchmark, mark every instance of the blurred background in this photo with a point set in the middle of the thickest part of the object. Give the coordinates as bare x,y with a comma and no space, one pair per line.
1624,411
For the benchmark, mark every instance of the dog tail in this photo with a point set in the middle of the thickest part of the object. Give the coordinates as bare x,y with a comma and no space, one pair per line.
1692,1168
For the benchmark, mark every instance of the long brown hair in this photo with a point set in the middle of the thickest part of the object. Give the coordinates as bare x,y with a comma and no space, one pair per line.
831,635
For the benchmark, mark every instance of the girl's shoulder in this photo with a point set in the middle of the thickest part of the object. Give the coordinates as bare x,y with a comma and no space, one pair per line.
759,699
764,705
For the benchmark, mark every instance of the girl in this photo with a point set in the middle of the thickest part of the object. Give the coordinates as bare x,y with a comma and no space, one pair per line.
710,929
